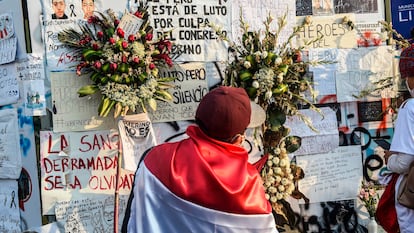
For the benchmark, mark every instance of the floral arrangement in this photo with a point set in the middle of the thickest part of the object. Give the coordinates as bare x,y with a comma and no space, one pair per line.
274,76
123,68
369,197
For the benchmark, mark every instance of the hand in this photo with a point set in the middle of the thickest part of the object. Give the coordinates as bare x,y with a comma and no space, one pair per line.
387,154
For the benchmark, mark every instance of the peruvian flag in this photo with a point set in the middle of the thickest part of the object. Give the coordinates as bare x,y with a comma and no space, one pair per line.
198,185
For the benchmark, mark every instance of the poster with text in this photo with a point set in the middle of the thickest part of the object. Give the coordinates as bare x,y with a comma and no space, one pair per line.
255,13
31,76
10,157
326,136
331,176
335,34
137,136
189,87
402,17
11,19
186,24
74,113
359,69
9,214
323,74
90,214
74,165
58,56
9,86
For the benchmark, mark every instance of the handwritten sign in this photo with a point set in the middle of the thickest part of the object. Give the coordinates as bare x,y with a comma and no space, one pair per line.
331,176
31,76
190,85
9,202
359,68
186,24
89,214
71,112
327,137
78,164
9,87
335,33
255,13
10,157
130,24
58,55
32,68
137,136
8,48
324,74
8,42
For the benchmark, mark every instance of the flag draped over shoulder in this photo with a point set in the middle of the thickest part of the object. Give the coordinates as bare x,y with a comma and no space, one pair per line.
198,185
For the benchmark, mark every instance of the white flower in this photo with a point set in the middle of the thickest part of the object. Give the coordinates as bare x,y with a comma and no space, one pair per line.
284,162
277,151
272,189
278,61
268,94
247,64
279,196
275,160
255,84
288,170
264,54
274,198
278,178
277,170
284,181
281,188
280,77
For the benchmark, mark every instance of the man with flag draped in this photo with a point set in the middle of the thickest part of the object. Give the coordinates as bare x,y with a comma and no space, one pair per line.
203,183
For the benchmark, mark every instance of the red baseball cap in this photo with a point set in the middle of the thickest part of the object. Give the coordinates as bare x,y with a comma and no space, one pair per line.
227,111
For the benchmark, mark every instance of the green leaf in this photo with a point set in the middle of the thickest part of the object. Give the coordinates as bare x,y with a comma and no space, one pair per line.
87,90
153,104
277,118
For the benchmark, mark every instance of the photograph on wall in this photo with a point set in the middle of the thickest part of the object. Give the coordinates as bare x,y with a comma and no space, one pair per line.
364,10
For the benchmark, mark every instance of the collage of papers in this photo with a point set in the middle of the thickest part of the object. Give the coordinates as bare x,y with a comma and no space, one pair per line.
78,150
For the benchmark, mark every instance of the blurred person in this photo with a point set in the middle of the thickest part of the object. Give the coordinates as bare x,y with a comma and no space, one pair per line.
401,153
203,183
